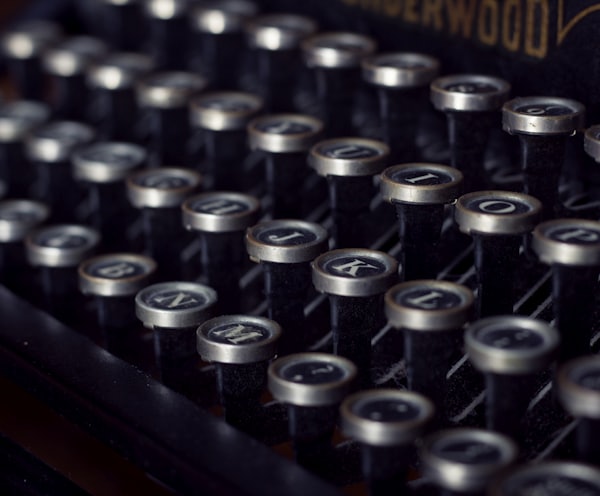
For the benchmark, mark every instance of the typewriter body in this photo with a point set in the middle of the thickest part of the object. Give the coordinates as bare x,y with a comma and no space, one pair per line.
155,431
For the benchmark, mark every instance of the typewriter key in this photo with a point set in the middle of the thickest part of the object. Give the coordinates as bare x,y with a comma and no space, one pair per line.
241,347
22,47
165,98
432,315
285,140
218,27
335,59
312,385
67,63
464,461
572,248
113,281
402,81
17,120
497,221
57,250
550,478
169,33
509,350
50,147
578,384
276,40
158,194
349,165
355,281
285,249
591,142
17,219
122,23
174,310
386,423
221,118
420,193
543,125
103,168
470,102
114,110
220,219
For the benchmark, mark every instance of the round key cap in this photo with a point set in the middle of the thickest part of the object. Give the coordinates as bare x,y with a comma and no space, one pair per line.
471,103
17,219
509,350
174,309
432,315
312,385
17,120
497,221
158,194
103,168
464,461
23,46
165,97
349,165
355,281
335,59
67,63
113,281
591,142
553,478
241,347
420,193
114,110
220,219
572,248
169,33
385,422
543,125
578,384
56,251
50,148
222,118
285,249
402,82
276,39
285,140
218,28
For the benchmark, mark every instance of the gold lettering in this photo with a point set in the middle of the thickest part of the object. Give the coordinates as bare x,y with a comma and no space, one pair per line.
411,13
460,16
431,14
511,25
536,40
392,8
487,25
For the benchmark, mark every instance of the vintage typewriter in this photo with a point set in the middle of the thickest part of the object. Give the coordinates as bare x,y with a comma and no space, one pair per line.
241,241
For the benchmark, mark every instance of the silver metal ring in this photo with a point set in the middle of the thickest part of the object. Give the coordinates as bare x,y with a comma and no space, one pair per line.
469,93
349,157
542,115
568,242
400,70
284,133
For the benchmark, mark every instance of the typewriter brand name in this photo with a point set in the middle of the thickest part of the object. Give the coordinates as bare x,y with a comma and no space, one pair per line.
530,27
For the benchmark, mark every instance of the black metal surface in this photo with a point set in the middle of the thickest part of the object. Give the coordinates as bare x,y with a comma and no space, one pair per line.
159,430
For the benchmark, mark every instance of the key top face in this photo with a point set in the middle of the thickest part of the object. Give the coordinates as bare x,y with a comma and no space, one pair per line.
400,70
162,188
511,344
429,305
348,157
18,217
551,478
466,459
220,212
279,31
542,116
20,117
174,304
284,133
286,241
238,339
107,162
385,417
311,379
469,93
579,386
119,274
568,242
62,245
